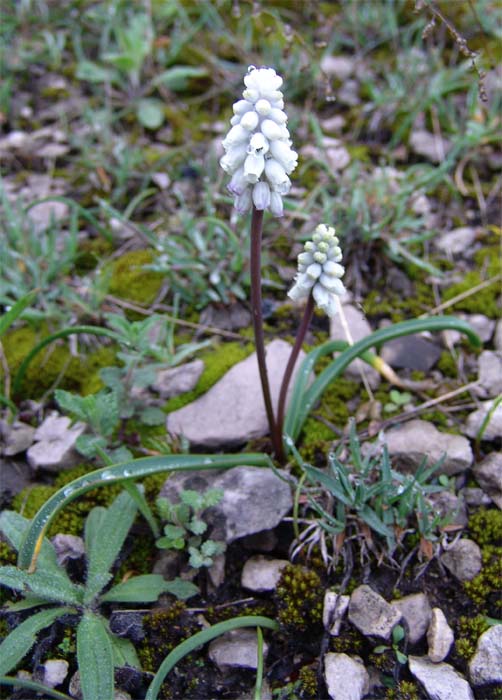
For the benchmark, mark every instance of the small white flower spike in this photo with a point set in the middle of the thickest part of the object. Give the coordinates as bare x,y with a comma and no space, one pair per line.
258,153
319,271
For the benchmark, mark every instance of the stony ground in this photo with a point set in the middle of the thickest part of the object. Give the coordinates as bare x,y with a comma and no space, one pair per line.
114,207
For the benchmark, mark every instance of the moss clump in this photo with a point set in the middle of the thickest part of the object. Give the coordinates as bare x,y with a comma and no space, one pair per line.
54,364
164,629
299,598
129,280
308,682
71,519
447,365
7,554
484,589
348,642
217,362
485,526
405,690
467,632
90,252
487,299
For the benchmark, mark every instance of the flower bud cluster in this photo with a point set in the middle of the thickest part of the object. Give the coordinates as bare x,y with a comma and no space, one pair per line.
258,151
319,271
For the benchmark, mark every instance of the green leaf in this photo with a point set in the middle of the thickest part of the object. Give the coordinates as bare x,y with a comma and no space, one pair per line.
41,584
26,603
28,552
150,113
402,658
397,634
144,589
181,589
18,643
372,519
124,653
94,73
95,658
177,78
35,687
94,527
198,640
16,310
198,527
152,416
90,445
105,548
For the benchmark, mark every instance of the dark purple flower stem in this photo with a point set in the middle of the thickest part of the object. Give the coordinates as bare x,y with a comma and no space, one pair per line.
256,305
288,373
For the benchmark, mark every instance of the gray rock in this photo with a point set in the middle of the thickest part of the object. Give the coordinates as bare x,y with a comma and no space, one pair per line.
475,421
371,613
14,476
439,636
178,380
475,497
441,681
335,607
488,474
428,145
490,374
216,571
55,671
337,157
450,507
238,648
359,328
232,411
338,66
416,611
16,437
410,443
486,664
345,676
497,340
254,499
483,325
411,352
42,214
55,446
457,241
348,93
463,559
262,574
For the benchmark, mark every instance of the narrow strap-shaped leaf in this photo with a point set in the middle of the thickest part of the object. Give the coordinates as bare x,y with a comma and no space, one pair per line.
146,589
32,685
134,469
198,640
115,525
41,584
14,527
16,310
383,335
95,658
18,643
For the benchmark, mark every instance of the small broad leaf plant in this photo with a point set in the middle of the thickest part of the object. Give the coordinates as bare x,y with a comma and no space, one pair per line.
54,595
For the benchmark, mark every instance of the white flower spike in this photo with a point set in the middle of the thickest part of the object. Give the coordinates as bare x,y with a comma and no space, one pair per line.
319,271
258,151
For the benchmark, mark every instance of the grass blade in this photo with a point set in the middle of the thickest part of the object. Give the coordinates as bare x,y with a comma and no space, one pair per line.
198,640
134,469
32,685
16,310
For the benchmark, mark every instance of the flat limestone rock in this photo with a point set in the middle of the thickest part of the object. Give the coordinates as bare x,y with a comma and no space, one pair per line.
232,412
441,681
410,443
475,423
416,611
237,649
488,474
486,664
371,613
254,499
346,678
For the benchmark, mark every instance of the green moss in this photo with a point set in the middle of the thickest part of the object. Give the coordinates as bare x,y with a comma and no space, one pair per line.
308,682
467,632
484,589
349,642
7,554
54,365
129,280
164,629
217,362
299,598
447,365
405,690
317,437
487,299
485,526
90,253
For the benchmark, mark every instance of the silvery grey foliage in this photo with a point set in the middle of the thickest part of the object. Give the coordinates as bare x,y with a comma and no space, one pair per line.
258,151
319,271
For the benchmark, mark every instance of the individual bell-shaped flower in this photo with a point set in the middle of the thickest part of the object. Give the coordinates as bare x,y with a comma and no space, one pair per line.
258,147
319,271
